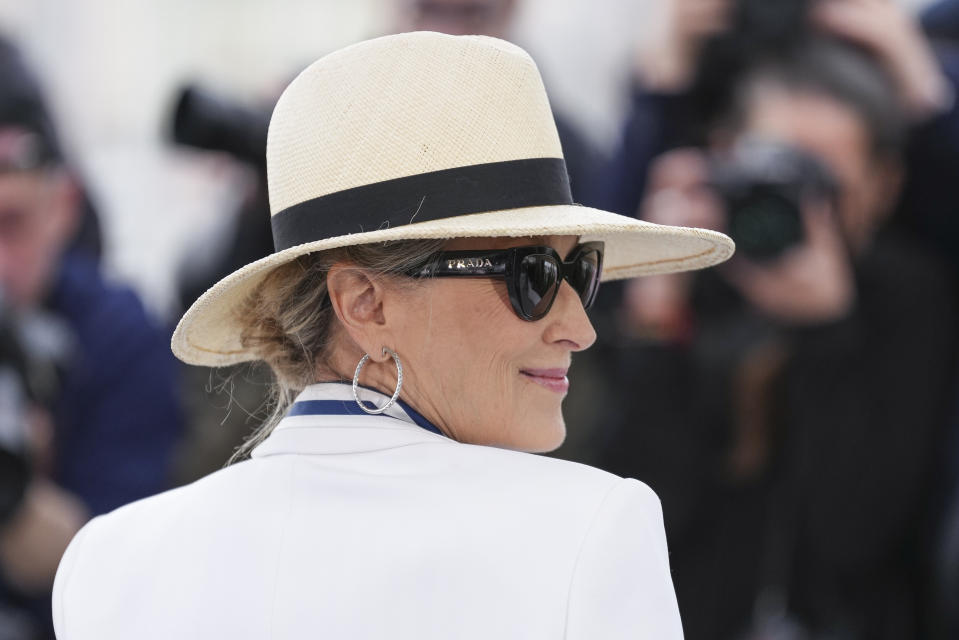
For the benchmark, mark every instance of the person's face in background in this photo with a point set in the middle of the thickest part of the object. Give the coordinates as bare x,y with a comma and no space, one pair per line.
458,17
835,134
37,216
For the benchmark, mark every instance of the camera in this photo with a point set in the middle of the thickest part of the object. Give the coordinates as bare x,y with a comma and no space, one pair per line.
763,185
203,120
33,345
14,400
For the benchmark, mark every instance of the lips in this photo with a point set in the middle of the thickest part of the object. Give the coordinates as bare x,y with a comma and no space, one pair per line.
552,379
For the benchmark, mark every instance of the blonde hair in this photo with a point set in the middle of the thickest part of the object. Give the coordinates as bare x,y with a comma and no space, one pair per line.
288,321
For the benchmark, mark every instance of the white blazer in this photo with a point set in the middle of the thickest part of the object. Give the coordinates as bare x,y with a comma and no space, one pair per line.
367,527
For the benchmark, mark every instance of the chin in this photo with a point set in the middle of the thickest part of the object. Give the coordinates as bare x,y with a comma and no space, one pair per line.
546,439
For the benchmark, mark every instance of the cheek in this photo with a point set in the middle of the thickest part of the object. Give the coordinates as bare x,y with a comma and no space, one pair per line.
469,326
473,349
25,264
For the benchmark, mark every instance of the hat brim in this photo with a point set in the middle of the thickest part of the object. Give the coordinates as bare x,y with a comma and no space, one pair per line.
208,334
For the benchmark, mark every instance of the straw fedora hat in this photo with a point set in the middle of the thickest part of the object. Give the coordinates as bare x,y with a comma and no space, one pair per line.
417,136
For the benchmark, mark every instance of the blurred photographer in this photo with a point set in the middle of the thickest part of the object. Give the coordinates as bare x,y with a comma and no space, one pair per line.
88,413
802,391
687,67
37,518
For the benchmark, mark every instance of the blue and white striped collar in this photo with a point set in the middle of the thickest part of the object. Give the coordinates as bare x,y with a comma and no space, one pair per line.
342,428
328,399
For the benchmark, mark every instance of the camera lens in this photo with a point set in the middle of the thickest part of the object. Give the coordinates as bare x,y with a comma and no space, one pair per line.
763,184
765,225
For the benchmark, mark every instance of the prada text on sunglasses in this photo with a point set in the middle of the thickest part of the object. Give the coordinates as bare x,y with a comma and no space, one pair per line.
533,274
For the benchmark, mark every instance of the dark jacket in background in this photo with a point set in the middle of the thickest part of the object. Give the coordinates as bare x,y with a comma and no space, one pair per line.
835,515
118,416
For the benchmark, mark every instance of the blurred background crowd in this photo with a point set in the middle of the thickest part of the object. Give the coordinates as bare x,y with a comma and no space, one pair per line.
796,410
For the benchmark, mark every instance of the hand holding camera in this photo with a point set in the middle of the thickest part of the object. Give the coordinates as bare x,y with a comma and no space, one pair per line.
778,203
809,283
781,209
37,518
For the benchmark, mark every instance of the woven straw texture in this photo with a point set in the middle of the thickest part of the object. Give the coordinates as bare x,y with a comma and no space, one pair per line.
409,104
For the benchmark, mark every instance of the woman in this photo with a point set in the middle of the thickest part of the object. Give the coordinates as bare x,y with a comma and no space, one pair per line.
397,167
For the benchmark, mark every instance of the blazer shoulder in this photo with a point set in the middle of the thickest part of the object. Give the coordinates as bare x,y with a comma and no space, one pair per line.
148,546
523,463
579,484
624,559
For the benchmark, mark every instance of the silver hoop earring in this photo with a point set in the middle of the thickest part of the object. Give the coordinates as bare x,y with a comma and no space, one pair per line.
399,382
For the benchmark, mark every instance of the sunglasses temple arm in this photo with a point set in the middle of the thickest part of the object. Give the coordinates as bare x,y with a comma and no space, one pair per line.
457,268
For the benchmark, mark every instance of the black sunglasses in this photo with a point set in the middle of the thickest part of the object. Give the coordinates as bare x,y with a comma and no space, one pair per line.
533,274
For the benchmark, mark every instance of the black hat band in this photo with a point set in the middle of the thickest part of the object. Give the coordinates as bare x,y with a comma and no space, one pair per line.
448,193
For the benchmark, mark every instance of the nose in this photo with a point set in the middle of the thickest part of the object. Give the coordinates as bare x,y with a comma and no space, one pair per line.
568,323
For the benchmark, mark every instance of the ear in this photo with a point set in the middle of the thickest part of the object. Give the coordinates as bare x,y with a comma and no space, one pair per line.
65,206
357,300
